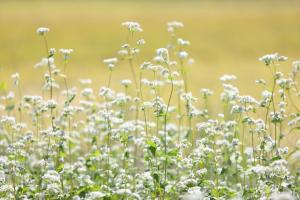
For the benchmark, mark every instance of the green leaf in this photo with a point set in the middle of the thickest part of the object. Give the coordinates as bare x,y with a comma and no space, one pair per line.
9,107
60,167
21,158
124,138
70,99
276,158
152,147
95,153
173,152
215,192
126,154
156,177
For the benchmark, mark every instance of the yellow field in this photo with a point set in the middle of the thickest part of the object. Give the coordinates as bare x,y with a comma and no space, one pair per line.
226,37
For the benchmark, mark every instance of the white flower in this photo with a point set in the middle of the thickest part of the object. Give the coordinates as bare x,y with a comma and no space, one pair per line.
141,42
126,82
87,92
193,194
16,78
85,82
188,97
51,104
44,62
66,53
183,55
163,53
7,120
271,58
296,67
206,92
282,196
110,62
182,42
51,176
259,170
172,26
123,192
106,92
52,51
132,26
260,81
95,195
248,99
42,30
227,77
123,53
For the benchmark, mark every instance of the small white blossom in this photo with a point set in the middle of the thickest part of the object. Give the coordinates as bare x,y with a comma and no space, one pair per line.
110,62
227,77
66,53
42,30
271,58
16,78
132,26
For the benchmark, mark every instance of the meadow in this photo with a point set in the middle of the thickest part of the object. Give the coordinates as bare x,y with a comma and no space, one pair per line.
96,107
227,36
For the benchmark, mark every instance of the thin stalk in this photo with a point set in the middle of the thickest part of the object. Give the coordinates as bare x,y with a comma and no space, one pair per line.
280,132
51,93
252,138
179,119
108,142
142,100
165,136
20,104
156,98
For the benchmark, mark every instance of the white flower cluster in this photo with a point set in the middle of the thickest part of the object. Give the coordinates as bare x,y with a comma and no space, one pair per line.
66,53
42,30
151,138
132,26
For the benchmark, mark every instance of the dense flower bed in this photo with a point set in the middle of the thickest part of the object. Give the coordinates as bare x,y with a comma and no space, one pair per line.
151,139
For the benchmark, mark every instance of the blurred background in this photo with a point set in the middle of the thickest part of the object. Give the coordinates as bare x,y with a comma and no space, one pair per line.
226,37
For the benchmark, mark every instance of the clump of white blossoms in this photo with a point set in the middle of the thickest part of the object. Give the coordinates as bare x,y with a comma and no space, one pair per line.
227,77
174,25
126,82
42,30
66,53
132,26
150,137
272,58
110,62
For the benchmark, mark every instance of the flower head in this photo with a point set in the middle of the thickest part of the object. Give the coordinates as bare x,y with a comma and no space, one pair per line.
172,26
126,82
296,67
132,26
182,55
66,53
42,30
16,78
227,78
271,58
162,55
110,62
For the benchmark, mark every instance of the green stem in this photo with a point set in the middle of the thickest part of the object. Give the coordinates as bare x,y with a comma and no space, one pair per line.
165,137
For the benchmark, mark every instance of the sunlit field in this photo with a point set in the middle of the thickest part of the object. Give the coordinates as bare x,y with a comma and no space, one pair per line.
190,100
225,37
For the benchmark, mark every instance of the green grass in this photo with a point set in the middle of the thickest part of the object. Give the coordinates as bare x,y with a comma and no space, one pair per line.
227,37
